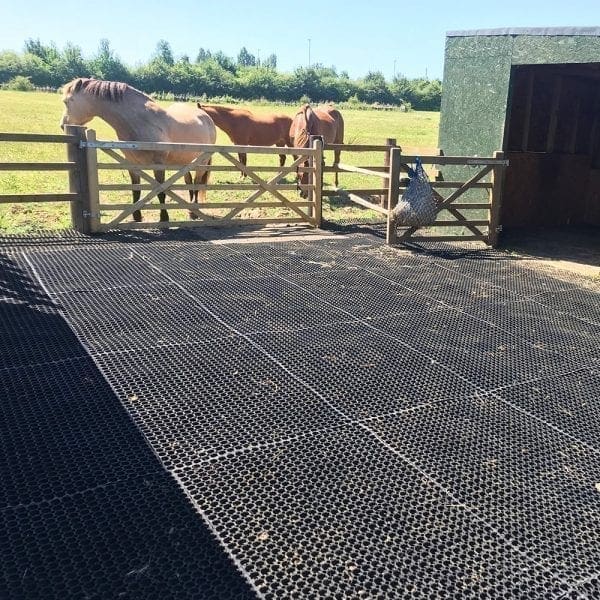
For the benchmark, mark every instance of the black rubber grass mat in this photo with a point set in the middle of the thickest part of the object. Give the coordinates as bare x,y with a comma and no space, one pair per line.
363,372
62,431
576,340
203,400
437,283
31,327
262,304
200,261
362,294
529,481
86,509
338,515
520,276
92,268
126,318
300,257
583,303
487,356
35,334
139,539
569,402
343,446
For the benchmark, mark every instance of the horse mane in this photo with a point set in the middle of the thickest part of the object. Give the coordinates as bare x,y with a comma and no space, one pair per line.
303,135
113,91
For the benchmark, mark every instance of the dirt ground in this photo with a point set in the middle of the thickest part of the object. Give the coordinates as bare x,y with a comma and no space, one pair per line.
576,250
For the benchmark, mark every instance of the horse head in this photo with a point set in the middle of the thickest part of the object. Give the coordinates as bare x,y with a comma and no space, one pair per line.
81,96
304,124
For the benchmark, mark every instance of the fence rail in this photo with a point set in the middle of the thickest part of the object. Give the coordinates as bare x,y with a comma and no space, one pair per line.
493,166
264,186
74,167
261,181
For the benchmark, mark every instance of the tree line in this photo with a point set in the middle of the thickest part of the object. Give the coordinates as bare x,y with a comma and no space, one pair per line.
212,74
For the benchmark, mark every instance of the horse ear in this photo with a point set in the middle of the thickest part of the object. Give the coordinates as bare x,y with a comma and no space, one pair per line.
199,105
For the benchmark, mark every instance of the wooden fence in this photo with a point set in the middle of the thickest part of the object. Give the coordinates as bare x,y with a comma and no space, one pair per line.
92,213
393,174
305,160
74,165
482,229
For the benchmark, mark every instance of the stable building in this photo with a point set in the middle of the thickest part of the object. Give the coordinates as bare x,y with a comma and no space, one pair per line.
535,94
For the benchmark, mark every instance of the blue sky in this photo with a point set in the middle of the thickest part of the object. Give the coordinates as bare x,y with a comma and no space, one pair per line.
381,35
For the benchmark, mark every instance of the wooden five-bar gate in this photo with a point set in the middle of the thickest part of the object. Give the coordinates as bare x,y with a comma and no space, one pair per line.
264,187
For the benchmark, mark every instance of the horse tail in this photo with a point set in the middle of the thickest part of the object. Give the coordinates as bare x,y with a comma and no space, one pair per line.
339,138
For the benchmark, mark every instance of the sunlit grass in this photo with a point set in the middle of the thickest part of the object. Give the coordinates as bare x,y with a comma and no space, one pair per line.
27,112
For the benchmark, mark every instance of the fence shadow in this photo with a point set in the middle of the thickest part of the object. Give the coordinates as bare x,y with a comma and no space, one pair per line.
86,508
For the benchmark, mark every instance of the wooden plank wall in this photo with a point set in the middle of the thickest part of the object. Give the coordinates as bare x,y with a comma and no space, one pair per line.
553,141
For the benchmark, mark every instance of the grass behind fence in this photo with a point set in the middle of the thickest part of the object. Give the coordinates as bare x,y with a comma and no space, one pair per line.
37,112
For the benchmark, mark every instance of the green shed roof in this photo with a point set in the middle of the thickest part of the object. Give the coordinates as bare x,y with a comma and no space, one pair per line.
514,31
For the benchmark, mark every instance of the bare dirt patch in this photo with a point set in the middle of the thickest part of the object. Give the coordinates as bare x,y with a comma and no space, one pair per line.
570,251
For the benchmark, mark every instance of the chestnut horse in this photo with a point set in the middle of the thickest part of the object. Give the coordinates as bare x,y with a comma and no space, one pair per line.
326,122
245,128
136,117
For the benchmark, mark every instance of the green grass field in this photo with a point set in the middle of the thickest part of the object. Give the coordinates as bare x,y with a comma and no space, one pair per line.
36,112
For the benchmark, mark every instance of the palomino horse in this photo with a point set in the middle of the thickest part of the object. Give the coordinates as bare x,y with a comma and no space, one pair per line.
136,117
326,122
245,128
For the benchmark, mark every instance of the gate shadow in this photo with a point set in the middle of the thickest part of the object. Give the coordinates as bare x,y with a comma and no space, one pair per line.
86,508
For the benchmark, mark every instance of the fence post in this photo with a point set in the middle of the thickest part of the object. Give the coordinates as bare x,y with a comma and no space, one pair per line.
393,192
496,201
318,180
78,180
310,178
391,142
92,210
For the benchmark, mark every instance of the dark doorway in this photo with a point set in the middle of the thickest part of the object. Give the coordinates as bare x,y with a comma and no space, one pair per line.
552,139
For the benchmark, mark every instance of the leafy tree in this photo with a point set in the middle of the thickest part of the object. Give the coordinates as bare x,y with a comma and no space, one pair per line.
373,88
245,59
48,54
270,62
213,80
153,77
106,65
213,74
224,61
10,65
203,55
164,53
40,72
19,84
70,64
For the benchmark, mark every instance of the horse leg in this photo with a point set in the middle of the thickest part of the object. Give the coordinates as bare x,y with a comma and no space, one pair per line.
243,159
135,179
336,161
160,178
193,193
281,156
200,178
304,180
203,177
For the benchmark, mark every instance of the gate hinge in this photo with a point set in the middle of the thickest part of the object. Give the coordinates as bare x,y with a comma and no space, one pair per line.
499,229
90,215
